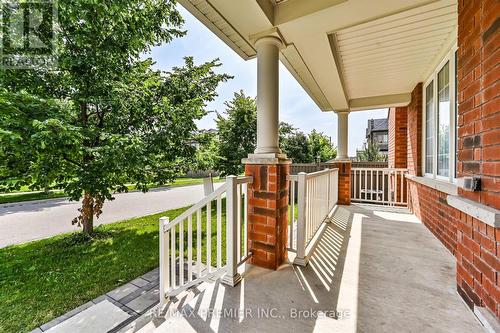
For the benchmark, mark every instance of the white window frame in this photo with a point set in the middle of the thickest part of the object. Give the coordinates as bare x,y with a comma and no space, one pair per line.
450,59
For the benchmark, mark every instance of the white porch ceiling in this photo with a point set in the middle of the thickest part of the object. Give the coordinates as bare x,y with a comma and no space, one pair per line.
346,54
392,54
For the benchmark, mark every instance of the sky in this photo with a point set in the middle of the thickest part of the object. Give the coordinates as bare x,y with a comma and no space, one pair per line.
296,107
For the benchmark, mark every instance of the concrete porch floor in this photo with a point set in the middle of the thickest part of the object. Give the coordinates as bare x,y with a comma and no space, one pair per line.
375,269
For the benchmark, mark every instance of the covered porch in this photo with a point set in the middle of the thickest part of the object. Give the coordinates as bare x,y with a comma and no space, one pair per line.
375,269
382,264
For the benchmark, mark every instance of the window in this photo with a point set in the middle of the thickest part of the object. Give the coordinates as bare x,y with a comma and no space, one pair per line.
429,115
440,114
380,138
455,123
444,121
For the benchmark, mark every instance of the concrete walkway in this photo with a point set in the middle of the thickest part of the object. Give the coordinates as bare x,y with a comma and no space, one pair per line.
27,221
113,310
375,269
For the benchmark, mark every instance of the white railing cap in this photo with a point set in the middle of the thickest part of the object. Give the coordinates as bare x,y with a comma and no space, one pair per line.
203,202
165,223
245,180
382,169
321,173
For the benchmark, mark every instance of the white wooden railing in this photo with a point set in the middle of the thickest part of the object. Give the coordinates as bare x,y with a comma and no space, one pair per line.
379,185
315,195
186,243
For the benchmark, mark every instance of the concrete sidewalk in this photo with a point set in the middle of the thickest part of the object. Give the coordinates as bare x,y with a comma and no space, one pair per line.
111,311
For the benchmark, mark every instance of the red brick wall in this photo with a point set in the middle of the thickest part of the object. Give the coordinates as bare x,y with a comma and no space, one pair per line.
475,245
344,194
398,146
478,97
268,214
414,129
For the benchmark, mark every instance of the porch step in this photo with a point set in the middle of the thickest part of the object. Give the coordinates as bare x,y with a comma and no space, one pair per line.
192,305
151,321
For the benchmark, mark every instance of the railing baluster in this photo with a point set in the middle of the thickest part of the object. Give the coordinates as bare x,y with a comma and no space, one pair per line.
371,184
209,236
164,261
219,232
245,220
310,194
238,220
401,175
395,200
190,248
383,187
181,253
366,185
198,242
300,259
290,217
355,185
172,253
328,192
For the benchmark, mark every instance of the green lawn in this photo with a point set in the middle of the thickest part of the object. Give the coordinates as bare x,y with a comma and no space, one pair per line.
29,196
44,279
25,195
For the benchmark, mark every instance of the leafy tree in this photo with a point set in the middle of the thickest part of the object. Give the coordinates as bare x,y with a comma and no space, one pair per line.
104,117
294,144
18,112
237,129
371,153
207,153
321,147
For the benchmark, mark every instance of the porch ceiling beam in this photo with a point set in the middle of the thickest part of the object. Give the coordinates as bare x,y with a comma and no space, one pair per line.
293,9
376,102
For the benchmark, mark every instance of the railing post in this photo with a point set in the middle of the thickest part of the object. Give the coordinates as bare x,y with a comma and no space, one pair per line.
164,257
301,259
232,277
328,194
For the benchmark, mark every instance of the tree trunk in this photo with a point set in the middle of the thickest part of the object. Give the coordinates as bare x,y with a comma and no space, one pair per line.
88,214
88,225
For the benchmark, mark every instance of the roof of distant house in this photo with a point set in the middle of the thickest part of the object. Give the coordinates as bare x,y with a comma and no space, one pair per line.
376,125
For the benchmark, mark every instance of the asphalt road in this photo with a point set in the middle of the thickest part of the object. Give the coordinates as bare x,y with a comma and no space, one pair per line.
27,221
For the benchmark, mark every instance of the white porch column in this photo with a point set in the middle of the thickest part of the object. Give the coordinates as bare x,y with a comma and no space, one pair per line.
342,132
268,94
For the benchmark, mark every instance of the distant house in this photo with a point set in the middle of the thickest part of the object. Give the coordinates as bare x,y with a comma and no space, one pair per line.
378,132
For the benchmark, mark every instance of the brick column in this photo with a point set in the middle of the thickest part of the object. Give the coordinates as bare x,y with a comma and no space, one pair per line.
344,180
414,139
268,213
398,147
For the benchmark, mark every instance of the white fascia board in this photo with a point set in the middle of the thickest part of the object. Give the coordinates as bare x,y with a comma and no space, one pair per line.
378,102
293,9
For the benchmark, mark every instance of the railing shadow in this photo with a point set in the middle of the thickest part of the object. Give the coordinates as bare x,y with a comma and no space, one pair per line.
291,299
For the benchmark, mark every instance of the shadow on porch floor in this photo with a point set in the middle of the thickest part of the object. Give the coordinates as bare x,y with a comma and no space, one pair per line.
375,269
